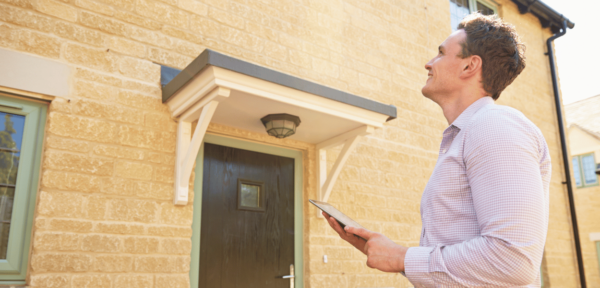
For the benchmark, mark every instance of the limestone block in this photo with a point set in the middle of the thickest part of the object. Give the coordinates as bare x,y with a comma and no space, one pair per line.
118,186
150,37
119,228
160,121
134,170
60,262
161,158
59,160
132,210
50,281
168,58
95,7
61,204
141,245
154,190
188,49
139,69
300,58
119,152
135,19
90,57
241,39
170,231
134,281
162,13
102,23
140,101
20,3
68,144
69,225
127,47
125,4
216,3
172,281
113,263
95,207
176,246
162,264
227,18
100,243
70,181
176,215
57,9
113,112
143,138
182,34
194,7
164,174
92,281
204,26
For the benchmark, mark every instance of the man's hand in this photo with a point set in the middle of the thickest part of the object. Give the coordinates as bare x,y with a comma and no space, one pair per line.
382,253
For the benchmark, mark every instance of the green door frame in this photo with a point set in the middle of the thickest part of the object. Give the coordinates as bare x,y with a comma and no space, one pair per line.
298,207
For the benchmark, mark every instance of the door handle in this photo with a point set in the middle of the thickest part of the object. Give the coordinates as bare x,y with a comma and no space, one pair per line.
291,276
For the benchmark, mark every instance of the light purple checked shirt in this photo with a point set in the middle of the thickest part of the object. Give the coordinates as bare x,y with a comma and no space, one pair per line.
485,207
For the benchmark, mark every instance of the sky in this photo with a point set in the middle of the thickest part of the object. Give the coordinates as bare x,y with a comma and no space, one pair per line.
577,54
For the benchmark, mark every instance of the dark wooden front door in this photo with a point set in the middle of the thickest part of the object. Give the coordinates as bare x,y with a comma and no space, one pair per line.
247,235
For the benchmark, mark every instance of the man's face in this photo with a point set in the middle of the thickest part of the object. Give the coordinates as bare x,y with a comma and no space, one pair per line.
445,68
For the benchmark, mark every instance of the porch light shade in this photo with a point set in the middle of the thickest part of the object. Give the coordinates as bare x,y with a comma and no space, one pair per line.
281,125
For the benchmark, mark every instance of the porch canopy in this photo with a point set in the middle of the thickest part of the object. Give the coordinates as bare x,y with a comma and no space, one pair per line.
228,91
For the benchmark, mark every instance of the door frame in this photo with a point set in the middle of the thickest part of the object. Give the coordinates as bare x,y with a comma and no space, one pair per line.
298,207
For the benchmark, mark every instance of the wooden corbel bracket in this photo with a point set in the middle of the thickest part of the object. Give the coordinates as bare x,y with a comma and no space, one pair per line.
326,181
188,144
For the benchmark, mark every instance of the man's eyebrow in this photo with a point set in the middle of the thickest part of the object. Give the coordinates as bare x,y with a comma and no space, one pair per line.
440,48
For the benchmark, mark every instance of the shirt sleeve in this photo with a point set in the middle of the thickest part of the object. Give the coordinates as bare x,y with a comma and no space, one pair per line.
502,161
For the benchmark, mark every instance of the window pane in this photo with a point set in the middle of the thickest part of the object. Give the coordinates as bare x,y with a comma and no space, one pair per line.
458,10
250,196
589,169
11,135
576,172
484,9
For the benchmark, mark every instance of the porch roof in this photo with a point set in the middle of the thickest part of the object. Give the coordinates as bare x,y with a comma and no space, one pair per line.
173,80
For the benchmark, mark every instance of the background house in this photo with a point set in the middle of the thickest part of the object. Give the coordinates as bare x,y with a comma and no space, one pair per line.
584,142
94,193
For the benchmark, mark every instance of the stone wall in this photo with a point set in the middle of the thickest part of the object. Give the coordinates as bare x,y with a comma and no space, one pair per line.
105,216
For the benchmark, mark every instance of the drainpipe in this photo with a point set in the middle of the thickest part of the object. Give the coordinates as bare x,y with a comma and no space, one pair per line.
565,154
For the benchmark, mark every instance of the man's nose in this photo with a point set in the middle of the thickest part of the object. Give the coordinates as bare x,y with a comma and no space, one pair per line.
428,65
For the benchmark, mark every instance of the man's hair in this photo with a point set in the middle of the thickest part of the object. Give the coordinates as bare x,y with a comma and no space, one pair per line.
498,45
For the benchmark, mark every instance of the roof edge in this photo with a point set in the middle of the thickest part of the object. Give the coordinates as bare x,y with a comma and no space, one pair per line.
548,16
209,57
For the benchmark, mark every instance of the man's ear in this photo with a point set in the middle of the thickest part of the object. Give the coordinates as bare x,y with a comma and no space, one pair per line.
471,67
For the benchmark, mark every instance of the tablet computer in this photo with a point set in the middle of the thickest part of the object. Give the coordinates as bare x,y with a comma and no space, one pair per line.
336,214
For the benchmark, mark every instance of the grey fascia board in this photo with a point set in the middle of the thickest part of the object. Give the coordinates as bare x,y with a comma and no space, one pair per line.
209,57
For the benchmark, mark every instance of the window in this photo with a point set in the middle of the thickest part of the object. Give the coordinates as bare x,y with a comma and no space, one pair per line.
584,170
21,137
461,8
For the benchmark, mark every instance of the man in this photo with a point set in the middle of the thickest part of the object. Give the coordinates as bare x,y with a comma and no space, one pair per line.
485,207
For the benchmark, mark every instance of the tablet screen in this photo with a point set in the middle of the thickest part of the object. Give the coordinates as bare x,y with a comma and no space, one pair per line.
333,212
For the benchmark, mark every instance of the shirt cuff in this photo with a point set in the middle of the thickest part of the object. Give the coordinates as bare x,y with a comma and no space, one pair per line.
416,266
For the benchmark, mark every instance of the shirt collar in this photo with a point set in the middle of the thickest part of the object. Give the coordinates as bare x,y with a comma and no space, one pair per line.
466,115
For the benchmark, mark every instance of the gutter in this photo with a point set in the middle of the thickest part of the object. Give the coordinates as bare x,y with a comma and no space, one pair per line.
558,24
565,154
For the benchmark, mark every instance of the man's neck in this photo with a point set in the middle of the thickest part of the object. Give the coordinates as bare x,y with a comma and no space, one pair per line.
452,109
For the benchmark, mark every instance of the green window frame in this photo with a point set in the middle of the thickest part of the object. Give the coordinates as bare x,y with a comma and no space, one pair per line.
598,252
13,269
584,173
472,8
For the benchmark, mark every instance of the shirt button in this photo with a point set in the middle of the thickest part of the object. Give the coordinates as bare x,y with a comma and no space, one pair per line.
443,150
